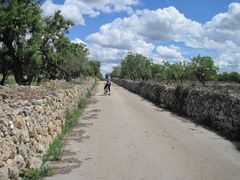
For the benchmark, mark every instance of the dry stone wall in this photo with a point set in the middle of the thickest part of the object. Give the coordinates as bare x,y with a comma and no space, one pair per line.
30,117
215,107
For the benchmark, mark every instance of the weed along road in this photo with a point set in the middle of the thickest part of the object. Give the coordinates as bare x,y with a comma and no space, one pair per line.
124,137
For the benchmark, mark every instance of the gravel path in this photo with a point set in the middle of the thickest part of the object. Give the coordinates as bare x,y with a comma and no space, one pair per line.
124,137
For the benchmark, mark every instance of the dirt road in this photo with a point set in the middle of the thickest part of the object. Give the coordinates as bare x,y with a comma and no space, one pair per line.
123,137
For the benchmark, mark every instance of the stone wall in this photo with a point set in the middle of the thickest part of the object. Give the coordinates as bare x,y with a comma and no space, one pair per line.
30,117
216,107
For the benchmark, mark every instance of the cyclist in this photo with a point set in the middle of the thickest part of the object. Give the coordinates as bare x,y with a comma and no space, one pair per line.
108,83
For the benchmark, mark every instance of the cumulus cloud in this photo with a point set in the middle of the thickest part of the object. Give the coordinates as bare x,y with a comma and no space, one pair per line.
222,34
109,6
171,53
229,61
225,26
75,10
133,34
143,31
166,24
71,9
78,41
109,57
106,55
114,36
107,67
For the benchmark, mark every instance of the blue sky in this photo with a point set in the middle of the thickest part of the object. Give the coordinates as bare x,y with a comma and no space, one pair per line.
169,30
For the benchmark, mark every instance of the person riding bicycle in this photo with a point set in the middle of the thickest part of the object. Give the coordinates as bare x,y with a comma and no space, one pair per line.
108,83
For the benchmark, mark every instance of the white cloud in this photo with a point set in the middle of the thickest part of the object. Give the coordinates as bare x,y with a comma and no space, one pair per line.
78,41
222,33
166,24
109,6
225,26
75,10
132,34
70,10
144,29
115,35
229,61
110,36
107,67
143,47
170,53
107,55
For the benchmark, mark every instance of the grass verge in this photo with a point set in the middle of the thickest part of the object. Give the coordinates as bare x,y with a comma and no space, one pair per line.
36,174
54,152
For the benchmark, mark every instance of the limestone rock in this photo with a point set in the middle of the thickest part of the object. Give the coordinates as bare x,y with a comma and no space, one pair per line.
51,129
19,122
11,129
4,120
12,169
1,161
30,117
4,131
17,111
24,151
7,151
39,148
3,173
19,160
35,162
24,137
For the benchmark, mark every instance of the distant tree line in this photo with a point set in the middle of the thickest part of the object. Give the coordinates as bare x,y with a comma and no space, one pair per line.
138,67
33,47
229,77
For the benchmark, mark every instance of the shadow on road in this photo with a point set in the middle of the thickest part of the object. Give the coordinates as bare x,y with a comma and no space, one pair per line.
186,119
208,127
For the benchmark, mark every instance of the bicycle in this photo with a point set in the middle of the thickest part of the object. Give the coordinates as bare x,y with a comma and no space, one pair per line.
106,90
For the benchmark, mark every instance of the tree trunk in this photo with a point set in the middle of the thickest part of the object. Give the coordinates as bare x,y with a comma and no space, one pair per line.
56,67
4,78
17,71
16,65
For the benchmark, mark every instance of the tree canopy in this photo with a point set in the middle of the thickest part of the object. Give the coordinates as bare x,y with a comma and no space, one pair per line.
201,68
32,47
136,66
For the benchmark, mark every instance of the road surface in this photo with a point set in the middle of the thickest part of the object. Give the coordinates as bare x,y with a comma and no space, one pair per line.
124,137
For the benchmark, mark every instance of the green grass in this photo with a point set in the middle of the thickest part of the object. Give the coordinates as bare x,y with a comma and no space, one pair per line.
71,118
36,174
11,81
54,152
